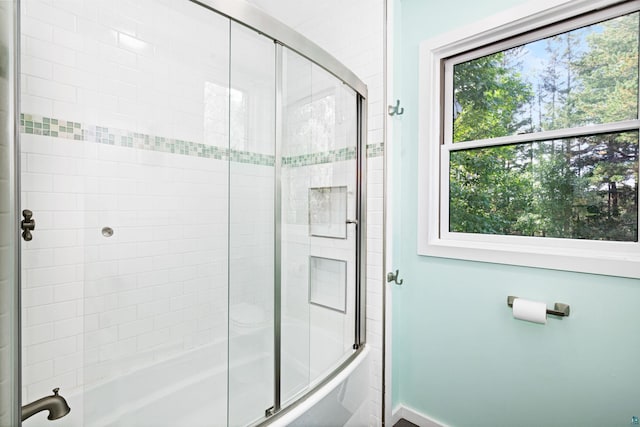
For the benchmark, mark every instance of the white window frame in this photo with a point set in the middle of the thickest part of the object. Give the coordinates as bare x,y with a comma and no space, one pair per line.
500,32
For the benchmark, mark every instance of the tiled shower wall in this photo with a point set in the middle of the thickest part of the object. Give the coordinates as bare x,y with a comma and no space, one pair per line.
113,136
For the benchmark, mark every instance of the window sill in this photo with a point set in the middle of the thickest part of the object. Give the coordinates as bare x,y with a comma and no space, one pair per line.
614,259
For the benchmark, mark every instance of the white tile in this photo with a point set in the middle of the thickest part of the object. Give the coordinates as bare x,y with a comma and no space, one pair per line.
36,105
149,309
118,316
112,252
32,297
67,363
116,55
36,28
36,67
37,372
43,201
68,327
135,45
167,290
152,339
69,255
36,182
135,296
135,328
50,164
118,20
68,291
68,39
67,183
68,110
74,77
97,32
101,337
63,274
37,334
96,305
49,313
153,278
46,13
38,258
91,322
101,270
49,350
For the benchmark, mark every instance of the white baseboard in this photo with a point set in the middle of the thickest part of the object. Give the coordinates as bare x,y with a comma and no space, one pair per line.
410,414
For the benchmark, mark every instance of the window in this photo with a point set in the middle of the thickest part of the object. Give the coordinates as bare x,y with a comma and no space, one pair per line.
529,140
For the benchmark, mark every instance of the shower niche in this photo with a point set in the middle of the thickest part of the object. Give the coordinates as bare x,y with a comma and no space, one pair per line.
328,212
227,168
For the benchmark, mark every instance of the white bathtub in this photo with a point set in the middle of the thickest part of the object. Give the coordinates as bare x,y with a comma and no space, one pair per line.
343,401
188,391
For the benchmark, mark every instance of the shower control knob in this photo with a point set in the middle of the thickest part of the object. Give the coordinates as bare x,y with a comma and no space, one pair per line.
28,224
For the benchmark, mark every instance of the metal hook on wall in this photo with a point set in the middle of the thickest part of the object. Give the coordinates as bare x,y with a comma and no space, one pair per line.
395,110
393,277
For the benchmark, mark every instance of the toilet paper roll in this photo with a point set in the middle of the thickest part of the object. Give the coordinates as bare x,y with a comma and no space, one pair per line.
531,311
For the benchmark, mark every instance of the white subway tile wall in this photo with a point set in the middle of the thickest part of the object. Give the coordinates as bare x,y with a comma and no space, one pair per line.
104,84
157,286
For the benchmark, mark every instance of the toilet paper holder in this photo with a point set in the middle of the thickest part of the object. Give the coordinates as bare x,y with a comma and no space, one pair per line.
559,309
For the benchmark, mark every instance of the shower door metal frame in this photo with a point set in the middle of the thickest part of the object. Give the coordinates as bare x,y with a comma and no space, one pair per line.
277,291
12,103
245,14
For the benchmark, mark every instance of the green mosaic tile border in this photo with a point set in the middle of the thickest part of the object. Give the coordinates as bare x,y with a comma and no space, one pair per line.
252,158
58,128
50,127
375,150
338,155
47,126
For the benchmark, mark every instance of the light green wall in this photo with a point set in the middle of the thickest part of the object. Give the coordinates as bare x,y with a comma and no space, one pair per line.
458,355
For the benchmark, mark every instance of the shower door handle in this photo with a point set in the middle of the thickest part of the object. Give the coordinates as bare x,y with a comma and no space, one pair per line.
352,221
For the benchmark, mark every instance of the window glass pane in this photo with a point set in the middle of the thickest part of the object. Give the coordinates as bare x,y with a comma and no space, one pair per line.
580,188
585,76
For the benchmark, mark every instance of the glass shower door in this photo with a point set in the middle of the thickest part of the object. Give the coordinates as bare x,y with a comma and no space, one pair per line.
332,224
319,200
251,222
125,151
156,231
